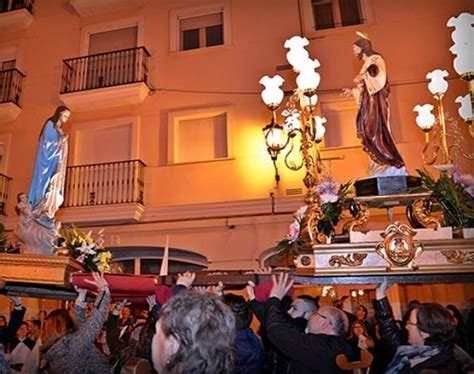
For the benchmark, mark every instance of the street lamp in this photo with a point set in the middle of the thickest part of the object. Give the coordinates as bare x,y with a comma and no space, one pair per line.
300,122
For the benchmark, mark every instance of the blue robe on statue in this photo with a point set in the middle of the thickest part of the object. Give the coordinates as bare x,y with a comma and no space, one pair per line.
47,184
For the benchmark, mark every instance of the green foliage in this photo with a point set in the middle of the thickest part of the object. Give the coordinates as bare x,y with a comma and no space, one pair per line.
332,211
456,203
292,244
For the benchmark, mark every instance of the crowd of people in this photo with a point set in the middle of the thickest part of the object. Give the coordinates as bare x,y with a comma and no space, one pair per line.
206,330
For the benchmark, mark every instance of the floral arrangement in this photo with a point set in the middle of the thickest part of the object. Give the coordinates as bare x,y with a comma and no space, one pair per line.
84,248
331,197
455,194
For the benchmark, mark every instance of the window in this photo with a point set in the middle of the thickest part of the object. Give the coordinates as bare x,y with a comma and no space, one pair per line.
318,15
202,31
199,135
200,27
102,141
329,14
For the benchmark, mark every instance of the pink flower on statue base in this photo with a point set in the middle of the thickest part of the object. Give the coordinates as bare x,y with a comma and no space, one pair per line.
294,231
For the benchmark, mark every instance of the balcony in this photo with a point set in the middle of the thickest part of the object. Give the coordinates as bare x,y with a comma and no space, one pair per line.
4,188
11,83
87,8
111,192
15,15
105,80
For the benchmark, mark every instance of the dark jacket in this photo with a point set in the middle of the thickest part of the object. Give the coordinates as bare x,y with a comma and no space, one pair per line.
443,362
248,352
308,353
9,332
274,362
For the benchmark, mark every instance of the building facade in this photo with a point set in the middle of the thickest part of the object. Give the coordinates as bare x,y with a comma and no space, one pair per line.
165,137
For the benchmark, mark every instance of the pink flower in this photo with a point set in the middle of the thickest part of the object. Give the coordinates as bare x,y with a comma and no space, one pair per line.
294,231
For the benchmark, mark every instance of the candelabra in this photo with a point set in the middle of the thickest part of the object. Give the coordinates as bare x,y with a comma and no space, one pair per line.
300,122
445,140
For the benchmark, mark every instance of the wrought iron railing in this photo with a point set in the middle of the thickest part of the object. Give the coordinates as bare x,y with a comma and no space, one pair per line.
103,184
11,83
4,188
9,6
105,70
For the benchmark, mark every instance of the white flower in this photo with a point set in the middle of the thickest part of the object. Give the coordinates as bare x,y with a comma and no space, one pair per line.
86,248
328,198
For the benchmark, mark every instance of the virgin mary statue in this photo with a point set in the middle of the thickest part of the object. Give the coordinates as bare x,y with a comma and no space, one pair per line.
47,185
37,228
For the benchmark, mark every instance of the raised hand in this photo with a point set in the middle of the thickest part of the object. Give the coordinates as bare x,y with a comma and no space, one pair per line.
98,280
151,300
217,290
186,279
281,285
250,288
16,300
381,289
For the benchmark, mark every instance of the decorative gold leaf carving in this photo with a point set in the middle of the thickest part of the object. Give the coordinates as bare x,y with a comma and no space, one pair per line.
458,257
356,260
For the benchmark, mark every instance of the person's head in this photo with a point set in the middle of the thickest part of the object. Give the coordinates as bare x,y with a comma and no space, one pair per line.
358,328
361,47
58,324
329,320
126,313
22,332
195,333
241,309
303,307
3,321
361,312
431,324
61,115
35,328
458,320
21,197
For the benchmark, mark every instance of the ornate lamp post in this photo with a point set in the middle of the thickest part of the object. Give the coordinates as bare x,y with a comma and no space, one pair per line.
299,122
446,139
462,49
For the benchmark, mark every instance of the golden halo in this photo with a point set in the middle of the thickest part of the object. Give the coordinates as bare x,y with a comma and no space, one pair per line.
362,35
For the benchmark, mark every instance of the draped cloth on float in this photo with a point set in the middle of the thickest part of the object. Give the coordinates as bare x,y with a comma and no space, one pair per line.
47,185
373,126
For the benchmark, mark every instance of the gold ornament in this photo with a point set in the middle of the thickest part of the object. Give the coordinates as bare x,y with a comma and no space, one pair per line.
398,247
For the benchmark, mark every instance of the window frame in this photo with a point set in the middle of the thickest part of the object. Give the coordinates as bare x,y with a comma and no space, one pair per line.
174,119
177,14
308,23
118,24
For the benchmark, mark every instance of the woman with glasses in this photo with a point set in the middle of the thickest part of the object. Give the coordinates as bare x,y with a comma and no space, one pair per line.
430,329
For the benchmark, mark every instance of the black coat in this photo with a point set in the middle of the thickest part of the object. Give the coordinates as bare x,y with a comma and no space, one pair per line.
308,353
9,332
